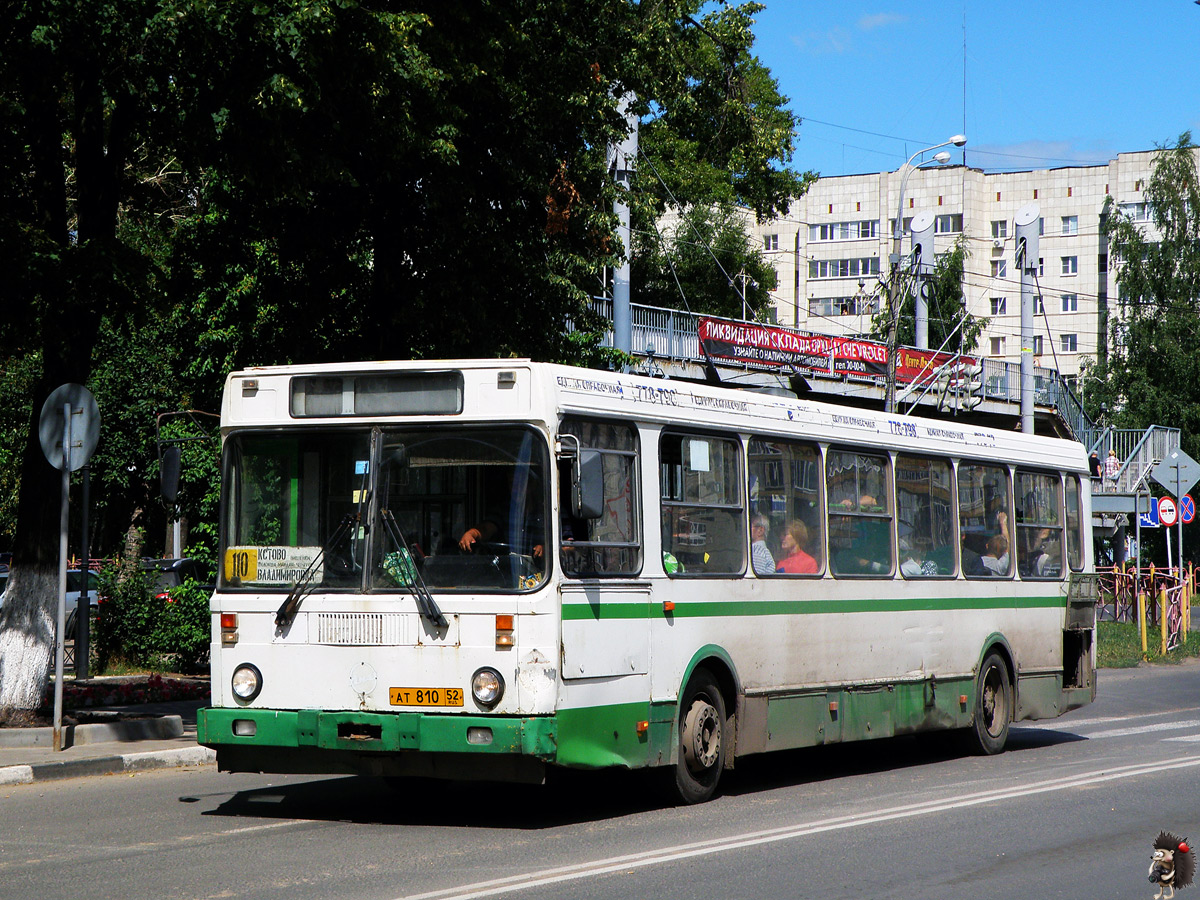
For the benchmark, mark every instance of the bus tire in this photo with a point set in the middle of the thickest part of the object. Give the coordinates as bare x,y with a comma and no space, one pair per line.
993,706
703,736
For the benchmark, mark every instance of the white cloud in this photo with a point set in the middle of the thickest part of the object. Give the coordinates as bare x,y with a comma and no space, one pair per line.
1039,154
820,43
881,20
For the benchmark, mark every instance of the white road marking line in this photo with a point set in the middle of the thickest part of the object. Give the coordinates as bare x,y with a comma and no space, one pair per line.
1143,729
1185,739
717,845
1076,724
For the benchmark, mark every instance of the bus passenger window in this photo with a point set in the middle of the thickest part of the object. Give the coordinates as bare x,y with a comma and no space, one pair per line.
787,534
985,520
703,518
860,513
924,517
611,544
1039,525
1074,525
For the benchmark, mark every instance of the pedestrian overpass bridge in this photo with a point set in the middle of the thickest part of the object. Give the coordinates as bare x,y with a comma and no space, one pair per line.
666,343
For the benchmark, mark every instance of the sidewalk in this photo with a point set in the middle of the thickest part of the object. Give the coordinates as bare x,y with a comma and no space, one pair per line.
165,737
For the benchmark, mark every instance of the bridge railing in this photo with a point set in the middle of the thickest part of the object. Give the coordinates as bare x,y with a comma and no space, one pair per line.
671,334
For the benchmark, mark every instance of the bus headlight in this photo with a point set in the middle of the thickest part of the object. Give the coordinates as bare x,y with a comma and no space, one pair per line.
246,682
487,687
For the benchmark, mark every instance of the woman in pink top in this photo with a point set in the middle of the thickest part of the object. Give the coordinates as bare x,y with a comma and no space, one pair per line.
796,561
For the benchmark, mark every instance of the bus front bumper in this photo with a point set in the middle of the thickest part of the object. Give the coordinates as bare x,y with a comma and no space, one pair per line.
409,743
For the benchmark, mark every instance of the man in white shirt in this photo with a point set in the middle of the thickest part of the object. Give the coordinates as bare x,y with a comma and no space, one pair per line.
760,553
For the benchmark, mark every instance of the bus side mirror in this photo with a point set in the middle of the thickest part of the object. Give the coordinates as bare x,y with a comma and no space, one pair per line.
587,485
169,473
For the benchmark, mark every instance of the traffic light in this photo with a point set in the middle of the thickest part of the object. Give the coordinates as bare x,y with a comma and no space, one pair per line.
971,383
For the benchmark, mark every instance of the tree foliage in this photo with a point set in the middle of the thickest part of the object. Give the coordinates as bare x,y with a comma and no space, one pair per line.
1151,371
716,141
951,327
704,263
187,187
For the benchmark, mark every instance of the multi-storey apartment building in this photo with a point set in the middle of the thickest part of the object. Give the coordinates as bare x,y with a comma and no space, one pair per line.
833,246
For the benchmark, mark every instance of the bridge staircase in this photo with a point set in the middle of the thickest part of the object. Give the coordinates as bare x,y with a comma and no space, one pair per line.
1114,500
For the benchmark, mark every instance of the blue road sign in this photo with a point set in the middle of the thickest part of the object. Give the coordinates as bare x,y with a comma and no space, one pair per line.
1187,508
1150,519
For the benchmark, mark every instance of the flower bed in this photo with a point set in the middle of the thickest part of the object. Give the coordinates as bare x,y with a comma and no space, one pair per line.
127,691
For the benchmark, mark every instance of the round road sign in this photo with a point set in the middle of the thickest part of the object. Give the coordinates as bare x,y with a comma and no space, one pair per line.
1187,508
1167,511
85,426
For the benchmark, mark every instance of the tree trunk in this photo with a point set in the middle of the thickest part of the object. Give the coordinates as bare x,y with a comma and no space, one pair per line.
26,637
30,608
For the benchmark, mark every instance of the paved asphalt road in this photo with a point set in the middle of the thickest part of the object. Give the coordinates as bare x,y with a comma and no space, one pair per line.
1070,811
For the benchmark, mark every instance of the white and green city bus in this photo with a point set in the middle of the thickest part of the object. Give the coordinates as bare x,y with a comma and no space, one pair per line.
484,569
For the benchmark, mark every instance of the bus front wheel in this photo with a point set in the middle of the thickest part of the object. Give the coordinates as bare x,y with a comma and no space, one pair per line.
993,706
702,739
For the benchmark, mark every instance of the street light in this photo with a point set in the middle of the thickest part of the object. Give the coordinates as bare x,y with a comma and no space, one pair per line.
959,140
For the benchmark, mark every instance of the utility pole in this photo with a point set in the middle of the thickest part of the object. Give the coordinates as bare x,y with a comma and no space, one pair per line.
745,278
622,158
1026,229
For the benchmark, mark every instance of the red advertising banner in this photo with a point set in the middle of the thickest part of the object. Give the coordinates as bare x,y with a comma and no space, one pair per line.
923,365
774,346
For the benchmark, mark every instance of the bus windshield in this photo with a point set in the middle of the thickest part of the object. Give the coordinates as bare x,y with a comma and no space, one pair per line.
457,509
293,505
469,506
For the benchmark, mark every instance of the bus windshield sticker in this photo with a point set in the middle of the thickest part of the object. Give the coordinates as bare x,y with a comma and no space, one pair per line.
270,565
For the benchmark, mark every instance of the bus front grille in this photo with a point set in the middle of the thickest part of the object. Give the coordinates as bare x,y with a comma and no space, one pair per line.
359,629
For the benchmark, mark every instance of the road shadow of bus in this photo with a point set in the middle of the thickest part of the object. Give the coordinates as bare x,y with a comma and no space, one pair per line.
566,798
816,765
574,797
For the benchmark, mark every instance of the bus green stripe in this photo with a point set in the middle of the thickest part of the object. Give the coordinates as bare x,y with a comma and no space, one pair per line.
719,608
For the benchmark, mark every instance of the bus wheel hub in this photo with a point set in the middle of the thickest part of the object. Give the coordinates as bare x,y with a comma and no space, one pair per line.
701,736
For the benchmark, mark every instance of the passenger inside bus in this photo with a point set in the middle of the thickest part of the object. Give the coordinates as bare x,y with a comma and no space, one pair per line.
760,553
913,561
794,541
866,547
996,560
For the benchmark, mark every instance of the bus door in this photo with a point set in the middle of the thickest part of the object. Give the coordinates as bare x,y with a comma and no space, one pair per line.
605,607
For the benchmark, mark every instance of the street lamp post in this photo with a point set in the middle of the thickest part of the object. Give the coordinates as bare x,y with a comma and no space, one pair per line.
959,140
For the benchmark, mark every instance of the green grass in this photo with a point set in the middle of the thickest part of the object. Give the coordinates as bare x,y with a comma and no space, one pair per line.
1119,646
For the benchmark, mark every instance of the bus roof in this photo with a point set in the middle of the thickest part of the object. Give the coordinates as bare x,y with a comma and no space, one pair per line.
540,392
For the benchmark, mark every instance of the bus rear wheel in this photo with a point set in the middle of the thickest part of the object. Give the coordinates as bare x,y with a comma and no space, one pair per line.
702,739
993,706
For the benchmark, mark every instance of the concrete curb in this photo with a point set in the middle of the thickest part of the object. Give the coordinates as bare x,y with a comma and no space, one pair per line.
108,765
120,731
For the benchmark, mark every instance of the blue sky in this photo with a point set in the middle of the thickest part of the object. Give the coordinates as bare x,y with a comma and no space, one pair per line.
1049,83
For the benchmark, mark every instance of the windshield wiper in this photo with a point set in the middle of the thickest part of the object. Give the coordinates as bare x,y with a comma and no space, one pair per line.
291,604
426,605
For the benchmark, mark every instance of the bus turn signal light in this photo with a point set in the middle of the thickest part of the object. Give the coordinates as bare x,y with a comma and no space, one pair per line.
504,631
229,633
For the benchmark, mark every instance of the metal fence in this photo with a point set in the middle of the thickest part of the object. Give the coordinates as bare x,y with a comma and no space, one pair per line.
1152,598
